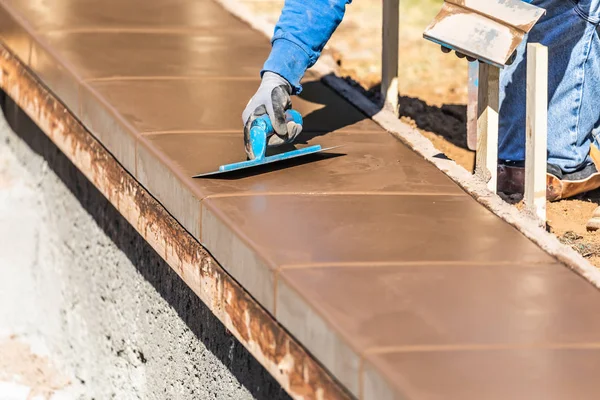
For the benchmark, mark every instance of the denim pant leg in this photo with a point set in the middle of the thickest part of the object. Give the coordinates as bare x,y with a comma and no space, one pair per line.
570,30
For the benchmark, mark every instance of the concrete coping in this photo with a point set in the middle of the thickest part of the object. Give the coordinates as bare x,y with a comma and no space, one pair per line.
370,259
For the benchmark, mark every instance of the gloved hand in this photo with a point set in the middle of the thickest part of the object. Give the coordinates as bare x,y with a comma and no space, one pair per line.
272,98
447,50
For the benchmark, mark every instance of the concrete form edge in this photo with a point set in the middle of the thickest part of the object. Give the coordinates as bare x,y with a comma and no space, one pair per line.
326,69
301,376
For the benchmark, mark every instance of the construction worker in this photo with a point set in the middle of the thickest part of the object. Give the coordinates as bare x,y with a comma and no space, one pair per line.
569,30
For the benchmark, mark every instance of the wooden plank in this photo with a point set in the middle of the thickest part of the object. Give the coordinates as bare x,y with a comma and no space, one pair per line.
389,56
486,163
537,130
472,106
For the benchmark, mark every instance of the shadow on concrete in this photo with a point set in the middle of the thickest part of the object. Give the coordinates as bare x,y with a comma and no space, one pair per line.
200,320
333,113
269,168
448,121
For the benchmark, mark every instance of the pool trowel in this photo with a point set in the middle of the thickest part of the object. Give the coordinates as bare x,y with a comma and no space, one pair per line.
260,131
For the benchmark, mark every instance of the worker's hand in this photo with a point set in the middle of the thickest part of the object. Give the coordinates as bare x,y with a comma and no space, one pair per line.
447,50
272,98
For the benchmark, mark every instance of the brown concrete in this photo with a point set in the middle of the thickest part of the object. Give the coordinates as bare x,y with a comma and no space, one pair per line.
141,54
473,374
397,281
166,104
92,15
423,315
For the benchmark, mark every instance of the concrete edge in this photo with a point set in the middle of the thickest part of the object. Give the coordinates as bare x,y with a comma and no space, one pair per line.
300,375
326,69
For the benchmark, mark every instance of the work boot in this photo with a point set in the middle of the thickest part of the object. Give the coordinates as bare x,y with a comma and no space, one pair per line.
562,186
559,185
511,177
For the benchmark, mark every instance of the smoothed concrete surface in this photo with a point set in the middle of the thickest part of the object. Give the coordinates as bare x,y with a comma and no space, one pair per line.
78,282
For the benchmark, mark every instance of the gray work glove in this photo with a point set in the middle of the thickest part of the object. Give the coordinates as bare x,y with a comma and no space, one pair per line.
272,98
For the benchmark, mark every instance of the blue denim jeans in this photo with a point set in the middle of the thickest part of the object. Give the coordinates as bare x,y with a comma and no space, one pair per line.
570,30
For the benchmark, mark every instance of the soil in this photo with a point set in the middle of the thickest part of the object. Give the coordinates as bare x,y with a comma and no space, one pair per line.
433,94
567,219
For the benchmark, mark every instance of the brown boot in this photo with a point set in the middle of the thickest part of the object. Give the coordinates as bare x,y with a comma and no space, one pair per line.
563,187
558,189
511,179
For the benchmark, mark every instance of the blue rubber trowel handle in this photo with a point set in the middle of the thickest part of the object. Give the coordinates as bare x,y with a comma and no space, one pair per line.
262,128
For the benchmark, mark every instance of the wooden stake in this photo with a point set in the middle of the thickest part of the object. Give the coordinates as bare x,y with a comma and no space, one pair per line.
472,106
486,163
389,61
536,147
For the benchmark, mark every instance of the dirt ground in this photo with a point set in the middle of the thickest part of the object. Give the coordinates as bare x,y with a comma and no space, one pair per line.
433,94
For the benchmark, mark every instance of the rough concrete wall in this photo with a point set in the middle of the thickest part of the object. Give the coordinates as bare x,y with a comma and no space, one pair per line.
112,315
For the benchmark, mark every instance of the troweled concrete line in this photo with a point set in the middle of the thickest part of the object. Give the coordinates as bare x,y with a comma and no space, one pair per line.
367,275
